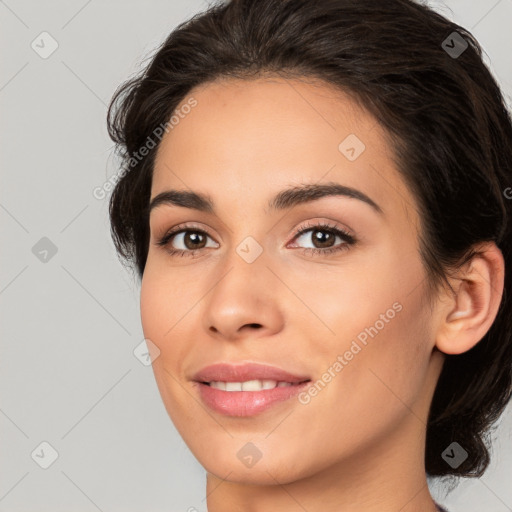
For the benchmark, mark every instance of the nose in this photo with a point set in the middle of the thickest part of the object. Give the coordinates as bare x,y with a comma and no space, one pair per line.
243,302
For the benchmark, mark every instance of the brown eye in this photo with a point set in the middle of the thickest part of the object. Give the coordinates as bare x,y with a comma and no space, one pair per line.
185,241
194,240
322,239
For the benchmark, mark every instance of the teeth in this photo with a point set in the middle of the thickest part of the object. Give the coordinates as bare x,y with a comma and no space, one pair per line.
233,386
218,385
248,385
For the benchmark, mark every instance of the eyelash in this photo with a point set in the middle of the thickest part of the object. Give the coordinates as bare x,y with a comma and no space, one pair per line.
321,226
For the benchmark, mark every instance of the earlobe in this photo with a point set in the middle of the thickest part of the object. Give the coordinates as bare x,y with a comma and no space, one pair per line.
469,315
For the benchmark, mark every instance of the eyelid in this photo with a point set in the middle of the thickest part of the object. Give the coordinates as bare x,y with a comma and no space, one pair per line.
301,229
310,225
327,226
184,226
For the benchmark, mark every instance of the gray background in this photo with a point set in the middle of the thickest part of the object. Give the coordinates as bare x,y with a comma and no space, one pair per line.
69,325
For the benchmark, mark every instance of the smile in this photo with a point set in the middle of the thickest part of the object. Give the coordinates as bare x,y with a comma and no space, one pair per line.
247,398
248,385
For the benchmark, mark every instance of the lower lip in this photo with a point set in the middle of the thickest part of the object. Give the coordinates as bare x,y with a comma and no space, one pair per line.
246,403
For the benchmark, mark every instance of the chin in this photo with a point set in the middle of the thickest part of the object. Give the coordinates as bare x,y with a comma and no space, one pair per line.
232,462
257,475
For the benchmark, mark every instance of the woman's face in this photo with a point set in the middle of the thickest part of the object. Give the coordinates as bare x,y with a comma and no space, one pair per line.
345,312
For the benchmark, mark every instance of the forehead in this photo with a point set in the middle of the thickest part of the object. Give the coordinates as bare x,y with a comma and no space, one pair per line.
264,134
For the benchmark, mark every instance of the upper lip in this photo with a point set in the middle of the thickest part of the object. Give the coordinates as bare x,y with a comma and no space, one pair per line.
226,372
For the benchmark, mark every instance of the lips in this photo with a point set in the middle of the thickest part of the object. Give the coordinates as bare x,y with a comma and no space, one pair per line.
224,372
247,389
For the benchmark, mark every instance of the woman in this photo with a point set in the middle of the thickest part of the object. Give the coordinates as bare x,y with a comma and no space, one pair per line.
316,198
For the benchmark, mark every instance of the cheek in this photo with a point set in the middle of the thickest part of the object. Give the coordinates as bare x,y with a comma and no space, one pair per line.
163,316
165,300
154,306
358,296
380,380
379,327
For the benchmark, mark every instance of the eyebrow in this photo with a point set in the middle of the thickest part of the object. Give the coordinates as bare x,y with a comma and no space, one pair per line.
284,199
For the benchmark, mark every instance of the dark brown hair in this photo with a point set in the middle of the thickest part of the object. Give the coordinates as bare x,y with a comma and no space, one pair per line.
424,79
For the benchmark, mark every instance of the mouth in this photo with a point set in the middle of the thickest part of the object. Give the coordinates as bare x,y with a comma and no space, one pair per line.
251,385
248,389
246,372
247,398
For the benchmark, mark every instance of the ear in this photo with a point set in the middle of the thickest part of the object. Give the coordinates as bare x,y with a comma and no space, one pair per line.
468,314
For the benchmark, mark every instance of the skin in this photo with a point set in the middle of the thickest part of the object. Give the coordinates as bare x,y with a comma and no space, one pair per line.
359,443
